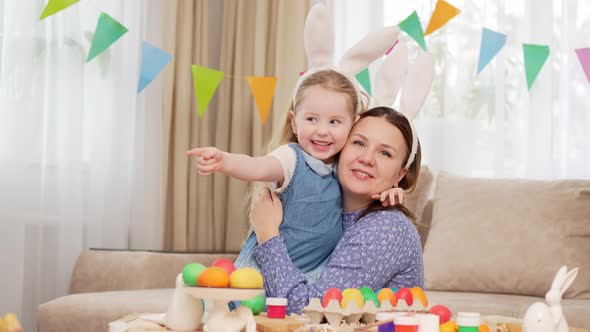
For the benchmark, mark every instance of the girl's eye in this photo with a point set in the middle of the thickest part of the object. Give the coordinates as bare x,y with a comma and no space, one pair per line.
335,122
311,119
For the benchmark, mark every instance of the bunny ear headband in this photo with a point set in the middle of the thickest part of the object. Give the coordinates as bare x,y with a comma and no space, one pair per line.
319,46
417,80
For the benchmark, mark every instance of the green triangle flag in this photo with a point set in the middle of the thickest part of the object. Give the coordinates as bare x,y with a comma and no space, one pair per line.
534,59
411,25
54,6
365,80
206,81
108,30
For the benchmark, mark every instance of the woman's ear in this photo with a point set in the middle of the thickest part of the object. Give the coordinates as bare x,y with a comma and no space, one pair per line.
401,174
292,121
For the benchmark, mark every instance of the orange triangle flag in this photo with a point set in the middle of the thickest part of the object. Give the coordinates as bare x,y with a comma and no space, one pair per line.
263,88
443,12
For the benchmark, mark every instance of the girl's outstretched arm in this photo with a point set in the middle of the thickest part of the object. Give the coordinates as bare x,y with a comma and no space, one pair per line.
239,166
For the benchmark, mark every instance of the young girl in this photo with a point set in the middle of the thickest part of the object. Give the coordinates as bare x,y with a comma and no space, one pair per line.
302,169
326,102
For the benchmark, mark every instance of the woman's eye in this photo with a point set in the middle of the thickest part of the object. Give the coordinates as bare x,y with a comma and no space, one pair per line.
386,154
359,143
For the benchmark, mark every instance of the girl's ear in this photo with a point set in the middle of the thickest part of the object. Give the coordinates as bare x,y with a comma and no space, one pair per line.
292,121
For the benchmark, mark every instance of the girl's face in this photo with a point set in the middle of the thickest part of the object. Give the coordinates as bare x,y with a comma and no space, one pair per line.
322,122
371,161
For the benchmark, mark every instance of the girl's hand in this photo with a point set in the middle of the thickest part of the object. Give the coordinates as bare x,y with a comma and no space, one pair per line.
390,197
209,160
266,215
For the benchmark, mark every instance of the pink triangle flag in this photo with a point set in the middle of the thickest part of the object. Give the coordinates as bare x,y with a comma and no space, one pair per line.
584,57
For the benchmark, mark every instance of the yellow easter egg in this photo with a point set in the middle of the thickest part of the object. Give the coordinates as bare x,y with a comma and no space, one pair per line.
418,294
352,295
246,277
449,326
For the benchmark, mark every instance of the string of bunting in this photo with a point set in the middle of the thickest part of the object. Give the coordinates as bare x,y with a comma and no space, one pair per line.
206,80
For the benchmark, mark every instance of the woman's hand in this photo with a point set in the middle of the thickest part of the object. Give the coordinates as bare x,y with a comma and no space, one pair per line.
266,215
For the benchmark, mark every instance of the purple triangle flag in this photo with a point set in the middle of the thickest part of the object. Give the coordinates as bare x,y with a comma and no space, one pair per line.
584,57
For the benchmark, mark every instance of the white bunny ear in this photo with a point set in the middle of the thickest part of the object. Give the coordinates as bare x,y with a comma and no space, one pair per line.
568,280
371,47
559,278
417,86
319,36
390,75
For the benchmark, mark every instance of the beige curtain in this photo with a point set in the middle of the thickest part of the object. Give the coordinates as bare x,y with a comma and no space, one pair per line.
240,38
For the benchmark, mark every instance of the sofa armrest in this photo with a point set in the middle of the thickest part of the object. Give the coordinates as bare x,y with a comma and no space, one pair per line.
113,270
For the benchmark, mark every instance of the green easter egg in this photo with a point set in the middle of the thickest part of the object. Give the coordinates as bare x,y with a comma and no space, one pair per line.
191,272
256,304
369,295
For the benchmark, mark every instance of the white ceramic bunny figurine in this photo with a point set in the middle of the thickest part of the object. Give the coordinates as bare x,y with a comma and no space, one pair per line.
541,317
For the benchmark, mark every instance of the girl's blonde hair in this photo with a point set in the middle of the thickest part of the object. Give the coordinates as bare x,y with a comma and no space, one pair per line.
328,79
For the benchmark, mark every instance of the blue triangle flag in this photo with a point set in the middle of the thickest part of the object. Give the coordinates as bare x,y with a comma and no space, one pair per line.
491,43
153,60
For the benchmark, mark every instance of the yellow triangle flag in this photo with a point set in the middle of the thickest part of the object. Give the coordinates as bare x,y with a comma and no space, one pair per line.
443,12
263,88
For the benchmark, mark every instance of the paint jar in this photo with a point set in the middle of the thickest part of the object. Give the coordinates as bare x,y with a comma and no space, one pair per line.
428,323
468,321
276,307
387,316
406,324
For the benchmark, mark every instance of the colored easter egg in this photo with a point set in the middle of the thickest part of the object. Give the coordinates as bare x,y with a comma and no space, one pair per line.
191,272
449,326
387,294
394,289
246,277
350,295
418,294
369,295
442,312
213,276
225,264
406,294
331,294
255,304
483,328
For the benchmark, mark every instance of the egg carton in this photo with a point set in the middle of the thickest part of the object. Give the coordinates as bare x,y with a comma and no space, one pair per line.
352,314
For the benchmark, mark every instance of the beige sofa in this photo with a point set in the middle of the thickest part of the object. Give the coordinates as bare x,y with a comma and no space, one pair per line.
493,246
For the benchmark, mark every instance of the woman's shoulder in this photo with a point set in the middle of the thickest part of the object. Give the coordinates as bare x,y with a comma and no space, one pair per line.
389,220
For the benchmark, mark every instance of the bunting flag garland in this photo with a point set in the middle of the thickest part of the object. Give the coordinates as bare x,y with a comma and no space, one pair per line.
153,61
491,44
534,59
54,6
411,25
206,81
365,80
443,13
108,31
263,89
584,57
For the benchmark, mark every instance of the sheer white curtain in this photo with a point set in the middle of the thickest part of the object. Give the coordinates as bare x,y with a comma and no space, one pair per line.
80,152
490,125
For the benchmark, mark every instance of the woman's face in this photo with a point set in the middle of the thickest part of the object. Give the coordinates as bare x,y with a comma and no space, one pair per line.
371,161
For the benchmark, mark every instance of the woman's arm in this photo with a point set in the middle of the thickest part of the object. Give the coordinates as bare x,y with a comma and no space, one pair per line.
378,250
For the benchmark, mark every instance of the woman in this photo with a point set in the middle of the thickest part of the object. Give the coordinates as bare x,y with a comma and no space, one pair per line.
380,246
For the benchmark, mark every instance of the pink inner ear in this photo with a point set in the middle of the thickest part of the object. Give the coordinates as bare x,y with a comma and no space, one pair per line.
391,48
302,72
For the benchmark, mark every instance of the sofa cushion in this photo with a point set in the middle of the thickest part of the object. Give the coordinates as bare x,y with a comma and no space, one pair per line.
111,270
417,200
93,311
508,236
576,311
